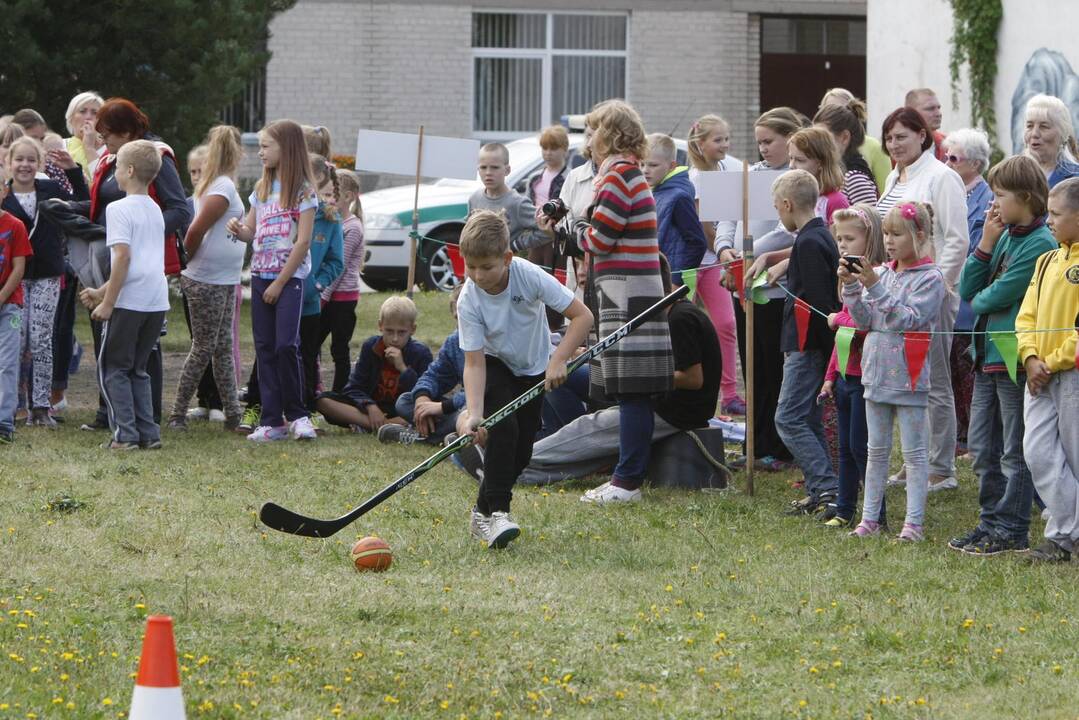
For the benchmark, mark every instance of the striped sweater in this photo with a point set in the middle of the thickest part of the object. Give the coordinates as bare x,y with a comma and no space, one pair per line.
624,250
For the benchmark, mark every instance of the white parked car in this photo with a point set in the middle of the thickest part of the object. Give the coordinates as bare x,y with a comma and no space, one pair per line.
443,208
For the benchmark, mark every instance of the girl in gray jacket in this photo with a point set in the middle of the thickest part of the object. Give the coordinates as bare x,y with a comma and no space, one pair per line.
904,297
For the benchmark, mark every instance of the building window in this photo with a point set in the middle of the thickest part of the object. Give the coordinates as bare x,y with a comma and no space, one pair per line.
531,68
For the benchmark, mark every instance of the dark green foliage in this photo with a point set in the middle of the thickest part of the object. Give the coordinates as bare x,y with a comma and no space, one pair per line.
974,42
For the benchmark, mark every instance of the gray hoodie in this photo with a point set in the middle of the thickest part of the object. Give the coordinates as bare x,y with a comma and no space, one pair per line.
900,301
520,216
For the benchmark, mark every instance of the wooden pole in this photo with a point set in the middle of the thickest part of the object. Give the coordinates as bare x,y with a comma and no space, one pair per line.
748,305
415,219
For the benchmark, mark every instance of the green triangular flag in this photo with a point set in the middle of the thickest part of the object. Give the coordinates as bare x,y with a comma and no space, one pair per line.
756,291
689,279
1008,347
843,337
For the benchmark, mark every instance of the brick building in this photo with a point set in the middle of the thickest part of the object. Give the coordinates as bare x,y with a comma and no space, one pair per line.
504,69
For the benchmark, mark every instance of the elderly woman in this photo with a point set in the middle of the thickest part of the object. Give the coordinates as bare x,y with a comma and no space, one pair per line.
81,118
919,176
1050,138
967,152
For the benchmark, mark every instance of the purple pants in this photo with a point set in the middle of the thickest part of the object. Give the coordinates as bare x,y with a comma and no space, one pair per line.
276,329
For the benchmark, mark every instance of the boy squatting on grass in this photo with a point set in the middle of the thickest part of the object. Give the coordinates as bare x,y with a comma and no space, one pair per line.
503,332
1051,441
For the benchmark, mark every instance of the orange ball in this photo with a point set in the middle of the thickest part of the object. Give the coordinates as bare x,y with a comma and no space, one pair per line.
371,553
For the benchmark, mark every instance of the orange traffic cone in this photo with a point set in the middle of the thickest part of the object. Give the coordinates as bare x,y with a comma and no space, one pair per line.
157,693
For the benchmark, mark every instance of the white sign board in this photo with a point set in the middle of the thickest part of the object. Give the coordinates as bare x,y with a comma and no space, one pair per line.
395,153
721,195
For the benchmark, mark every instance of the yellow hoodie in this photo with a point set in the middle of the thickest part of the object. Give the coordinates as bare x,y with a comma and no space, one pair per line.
1052,301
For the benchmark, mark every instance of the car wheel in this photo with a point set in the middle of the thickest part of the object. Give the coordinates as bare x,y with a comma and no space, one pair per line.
435,271
382,284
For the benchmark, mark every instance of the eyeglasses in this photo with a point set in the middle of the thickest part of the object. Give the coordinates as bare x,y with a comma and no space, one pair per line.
954,159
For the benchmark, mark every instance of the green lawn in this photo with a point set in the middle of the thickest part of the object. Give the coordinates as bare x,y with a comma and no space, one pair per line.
686,606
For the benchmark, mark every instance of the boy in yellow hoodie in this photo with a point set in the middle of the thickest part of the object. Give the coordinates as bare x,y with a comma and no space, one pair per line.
1051,404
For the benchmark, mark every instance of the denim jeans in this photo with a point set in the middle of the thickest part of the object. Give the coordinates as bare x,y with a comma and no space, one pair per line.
995,439
637,420
853,442
444,424
798,420
10,345
913,435
566,403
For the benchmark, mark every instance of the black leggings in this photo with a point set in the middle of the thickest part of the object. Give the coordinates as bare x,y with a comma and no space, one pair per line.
768,374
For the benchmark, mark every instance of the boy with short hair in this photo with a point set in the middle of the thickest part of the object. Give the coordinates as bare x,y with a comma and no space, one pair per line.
496,195
133,303
811,274
994,282
1051,442
504,334
681,237
14,249
389,365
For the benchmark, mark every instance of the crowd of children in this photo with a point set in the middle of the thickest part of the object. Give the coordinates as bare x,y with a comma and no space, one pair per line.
860,299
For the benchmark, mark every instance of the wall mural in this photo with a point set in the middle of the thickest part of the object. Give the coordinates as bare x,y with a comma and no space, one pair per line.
1049,72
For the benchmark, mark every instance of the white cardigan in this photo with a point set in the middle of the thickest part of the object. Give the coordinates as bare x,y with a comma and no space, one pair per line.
931,181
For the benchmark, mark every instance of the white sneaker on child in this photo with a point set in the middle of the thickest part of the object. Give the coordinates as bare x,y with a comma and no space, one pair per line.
501,530
198,413
217,416
899,479
302,429
609,494
948,483
479,525
265,433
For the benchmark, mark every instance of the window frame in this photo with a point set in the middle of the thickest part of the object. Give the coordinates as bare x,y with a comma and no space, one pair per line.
546,55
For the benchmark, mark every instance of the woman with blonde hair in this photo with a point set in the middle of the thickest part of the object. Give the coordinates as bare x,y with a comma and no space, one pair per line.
870,148
81,118
1049,138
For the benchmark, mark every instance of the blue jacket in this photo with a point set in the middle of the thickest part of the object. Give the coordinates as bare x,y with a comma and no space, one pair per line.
327,258
46,237
366,376
978,200
1065,169
443,375
681,237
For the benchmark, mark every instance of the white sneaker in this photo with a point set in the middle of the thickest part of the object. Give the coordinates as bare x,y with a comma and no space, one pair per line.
479,524
302,429
608,494
899,479
948,483
265,433
217,416
198,413
1045,514
501,529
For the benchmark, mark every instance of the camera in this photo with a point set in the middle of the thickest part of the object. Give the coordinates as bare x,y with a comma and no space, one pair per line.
555,209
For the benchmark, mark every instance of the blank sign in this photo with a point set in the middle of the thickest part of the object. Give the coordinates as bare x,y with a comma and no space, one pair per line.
721,195
391,152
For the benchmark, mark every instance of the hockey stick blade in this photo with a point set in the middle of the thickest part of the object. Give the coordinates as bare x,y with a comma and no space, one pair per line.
284,520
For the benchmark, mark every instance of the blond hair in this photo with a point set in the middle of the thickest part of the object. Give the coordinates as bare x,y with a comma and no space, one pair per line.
317,139
348,181
27,141
663,145
397,308
497,147
784,121
914,219
698,132
53,141
485,235
836,95
619,130
867,216
223,155
197,153
1024,177
77,103
797,186
293,168
143,156
818,144
554,137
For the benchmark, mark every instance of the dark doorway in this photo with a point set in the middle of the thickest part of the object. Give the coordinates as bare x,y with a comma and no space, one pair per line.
802,57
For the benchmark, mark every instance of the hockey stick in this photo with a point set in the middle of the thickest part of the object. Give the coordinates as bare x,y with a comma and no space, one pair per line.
278,518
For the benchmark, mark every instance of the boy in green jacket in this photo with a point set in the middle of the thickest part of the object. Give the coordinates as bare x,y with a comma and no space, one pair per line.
994,282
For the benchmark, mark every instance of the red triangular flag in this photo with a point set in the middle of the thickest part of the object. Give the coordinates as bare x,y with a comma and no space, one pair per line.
458,262
737,270
801,319
560,275
916,345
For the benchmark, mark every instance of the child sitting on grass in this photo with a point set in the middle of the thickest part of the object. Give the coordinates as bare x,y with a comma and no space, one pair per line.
1051,442
507,344
389,365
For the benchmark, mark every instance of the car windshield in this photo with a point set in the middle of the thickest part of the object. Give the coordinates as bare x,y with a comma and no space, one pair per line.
525,158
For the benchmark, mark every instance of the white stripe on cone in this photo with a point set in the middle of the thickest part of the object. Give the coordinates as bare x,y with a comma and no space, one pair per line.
154,703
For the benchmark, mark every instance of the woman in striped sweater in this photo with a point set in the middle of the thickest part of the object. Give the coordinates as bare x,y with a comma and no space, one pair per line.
624,273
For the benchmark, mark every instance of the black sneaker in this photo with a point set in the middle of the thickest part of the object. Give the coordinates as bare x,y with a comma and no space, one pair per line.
974,536
95,425
994,545
7,437
809,505
1048,552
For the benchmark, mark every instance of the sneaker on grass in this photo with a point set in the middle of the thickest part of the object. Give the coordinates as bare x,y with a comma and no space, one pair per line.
1048,552
994,545
479,525
7,437
265,433
302,429
120,446
899,479
974,536
198,413
942,483
501,530
401,434
469,458
216,416
610,494
250,419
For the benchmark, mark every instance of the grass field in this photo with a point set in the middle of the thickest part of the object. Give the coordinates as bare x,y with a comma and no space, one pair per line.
686,606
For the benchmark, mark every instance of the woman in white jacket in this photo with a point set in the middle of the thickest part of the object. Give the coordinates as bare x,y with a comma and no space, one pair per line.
919,176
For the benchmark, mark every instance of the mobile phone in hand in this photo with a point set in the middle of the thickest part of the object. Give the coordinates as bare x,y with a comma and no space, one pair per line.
854,264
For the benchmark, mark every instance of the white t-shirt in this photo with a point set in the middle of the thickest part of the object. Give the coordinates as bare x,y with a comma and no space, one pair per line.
512,325
220,257
136,221
275,232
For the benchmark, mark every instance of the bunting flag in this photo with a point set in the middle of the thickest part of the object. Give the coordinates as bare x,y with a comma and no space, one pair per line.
559,274
757,291
1008,347
689,279
843,338
801,319
737,271
916,345
458,262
